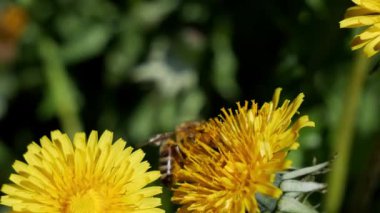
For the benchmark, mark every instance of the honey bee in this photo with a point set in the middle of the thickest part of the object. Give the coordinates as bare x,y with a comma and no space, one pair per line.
171,158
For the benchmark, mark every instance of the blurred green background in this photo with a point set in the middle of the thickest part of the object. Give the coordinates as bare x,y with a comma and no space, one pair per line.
140,67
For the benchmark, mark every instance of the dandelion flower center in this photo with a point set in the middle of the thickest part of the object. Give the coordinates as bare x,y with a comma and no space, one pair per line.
85,202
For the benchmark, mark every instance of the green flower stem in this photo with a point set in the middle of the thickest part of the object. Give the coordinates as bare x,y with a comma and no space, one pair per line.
343,137
61,89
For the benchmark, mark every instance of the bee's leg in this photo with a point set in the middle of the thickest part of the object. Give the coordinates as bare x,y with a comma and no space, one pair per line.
181,155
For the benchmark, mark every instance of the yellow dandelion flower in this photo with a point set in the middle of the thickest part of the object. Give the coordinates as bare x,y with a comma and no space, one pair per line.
244,151
366,13
90,175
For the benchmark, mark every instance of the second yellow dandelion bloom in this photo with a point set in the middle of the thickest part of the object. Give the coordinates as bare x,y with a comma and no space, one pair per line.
240,158
88,175
365,13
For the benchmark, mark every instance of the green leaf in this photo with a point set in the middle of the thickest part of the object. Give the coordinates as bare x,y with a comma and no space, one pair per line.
87,44
224,63
61,92
125,54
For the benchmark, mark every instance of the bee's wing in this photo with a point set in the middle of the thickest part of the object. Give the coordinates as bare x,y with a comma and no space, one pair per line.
158,139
